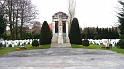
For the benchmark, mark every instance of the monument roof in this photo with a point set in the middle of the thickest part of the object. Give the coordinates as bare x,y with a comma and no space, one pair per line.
63,15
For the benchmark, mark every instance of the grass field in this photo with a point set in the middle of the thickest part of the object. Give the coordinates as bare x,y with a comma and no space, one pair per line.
90,47
118,50
28,47
6,50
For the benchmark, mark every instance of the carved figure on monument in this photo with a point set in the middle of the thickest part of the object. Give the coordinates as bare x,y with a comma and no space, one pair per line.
60,32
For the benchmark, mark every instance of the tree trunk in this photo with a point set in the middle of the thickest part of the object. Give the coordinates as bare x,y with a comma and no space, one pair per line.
10,19
13,23
21,28
16,25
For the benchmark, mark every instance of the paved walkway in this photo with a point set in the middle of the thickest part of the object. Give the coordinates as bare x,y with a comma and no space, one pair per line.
62,58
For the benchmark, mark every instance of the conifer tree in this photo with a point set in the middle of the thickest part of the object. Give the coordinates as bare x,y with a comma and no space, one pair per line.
45,34
75,34
2,25
121,20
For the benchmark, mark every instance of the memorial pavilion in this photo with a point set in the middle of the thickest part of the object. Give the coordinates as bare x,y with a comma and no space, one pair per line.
60,30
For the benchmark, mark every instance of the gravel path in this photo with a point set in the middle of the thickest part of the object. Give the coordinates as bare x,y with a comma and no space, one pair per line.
62,58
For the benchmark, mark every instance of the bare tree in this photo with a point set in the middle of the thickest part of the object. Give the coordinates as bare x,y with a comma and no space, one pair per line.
27,13
19,13
16,18
71,9
9,13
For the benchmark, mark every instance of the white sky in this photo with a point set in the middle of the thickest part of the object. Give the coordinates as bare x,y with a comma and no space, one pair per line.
90,13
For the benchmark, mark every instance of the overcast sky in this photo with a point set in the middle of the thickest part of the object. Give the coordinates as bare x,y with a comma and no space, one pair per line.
90,13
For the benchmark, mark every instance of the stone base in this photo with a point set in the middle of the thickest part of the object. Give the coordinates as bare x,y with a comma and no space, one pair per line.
54,39
56,45
67,40
60,42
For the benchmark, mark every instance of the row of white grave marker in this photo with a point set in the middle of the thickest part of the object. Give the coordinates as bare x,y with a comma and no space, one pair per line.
16,42
105,41
22,42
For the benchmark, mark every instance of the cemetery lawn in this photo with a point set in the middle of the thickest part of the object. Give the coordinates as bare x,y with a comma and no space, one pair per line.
77,46
92,46
28,47
118,50
6,50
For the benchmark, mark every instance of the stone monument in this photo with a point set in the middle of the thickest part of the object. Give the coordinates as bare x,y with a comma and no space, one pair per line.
60,30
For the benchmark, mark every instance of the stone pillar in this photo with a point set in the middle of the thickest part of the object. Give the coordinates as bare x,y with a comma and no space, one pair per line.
67,29
67,33
53,25
54,38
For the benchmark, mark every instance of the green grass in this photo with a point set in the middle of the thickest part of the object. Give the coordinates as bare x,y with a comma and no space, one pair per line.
28,47
77,46
115,49
6,50
90,47
118,50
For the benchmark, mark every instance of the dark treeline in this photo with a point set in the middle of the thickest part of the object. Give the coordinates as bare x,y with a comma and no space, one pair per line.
100,33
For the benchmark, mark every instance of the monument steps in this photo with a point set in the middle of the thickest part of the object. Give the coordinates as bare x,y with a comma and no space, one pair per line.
64,45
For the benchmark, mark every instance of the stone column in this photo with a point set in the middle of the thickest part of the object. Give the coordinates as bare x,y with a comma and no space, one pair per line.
66,29
54,39
67,32
53,27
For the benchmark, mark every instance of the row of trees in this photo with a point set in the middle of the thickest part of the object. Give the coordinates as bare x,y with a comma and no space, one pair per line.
100,33
17,14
